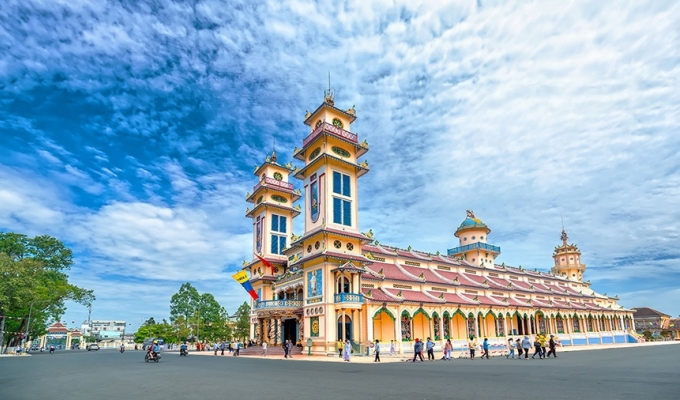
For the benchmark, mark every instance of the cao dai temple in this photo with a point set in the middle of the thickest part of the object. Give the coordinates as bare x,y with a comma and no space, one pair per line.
333,282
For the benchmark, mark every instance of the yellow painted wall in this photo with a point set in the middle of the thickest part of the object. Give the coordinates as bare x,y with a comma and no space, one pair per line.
459,327
383,328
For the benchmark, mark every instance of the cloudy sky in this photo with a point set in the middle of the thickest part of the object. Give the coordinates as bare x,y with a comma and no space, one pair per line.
129,130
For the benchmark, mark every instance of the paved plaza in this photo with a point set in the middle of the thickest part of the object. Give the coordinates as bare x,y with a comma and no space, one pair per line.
627,373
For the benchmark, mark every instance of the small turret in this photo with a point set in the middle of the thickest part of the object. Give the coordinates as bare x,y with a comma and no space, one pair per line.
568,260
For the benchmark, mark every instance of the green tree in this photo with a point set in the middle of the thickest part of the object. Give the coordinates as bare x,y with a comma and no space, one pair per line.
184,304
648,335
242,326
33,278
153,330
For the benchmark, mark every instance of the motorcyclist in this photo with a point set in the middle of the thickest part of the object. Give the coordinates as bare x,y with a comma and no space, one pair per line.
122,347
154,349
51,349
183,348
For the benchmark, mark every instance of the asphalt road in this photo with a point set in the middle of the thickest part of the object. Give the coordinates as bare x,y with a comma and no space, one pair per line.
632,373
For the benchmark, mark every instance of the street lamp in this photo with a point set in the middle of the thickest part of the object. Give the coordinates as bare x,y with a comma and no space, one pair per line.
28,322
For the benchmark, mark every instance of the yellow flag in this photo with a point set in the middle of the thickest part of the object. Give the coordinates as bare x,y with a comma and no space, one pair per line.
241,277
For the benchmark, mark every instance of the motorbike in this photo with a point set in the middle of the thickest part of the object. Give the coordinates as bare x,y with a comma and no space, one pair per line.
183,352
122,349
156,358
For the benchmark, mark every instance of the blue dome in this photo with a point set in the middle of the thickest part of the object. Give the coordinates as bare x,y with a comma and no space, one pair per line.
472,222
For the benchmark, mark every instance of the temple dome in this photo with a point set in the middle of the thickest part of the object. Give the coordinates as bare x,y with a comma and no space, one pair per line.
472,222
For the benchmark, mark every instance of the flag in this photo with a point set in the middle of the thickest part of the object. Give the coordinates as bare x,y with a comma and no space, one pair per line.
242,278
266,264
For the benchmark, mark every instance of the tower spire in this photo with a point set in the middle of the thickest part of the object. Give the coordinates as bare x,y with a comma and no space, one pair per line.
329,93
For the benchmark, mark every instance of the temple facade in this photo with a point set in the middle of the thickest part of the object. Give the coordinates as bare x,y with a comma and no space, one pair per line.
334,282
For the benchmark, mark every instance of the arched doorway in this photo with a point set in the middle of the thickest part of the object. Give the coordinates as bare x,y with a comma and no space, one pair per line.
446,323
471,328
348,328
421,324
383,326
540,322
559,323
459,325
343,284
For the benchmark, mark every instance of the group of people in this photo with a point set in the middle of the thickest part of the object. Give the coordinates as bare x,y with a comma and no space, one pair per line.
539,344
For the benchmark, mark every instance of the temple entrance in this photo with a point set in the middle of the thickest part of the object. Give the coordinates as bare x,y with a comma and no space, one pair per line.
348,328
290,330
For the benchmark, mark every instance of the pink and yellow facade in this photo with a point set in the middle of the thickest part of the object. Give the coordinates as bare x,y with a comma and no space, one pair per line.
334,282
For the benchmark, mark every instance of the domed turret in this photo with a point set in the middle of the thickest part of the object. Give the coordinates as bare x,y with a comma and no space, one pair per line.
471,235
568,260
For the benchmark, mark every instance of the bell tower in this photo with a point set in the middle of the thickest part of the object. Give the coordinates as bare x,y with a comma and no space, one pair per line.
472,246
568,260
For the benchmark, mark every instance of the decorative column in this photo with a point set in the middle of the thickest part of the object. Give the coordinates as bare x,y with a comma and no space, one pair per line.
359,323
343,325
397,330
369,324
441,327
301,327
279,326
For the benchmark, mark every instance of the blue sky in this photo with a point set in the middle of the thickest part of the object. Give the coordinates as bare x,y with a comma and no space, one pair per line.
130,129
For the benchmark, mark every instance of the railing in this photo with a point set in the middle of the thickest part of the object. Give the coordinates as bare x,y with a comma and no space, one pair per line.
473,246
278,304
352,137
274,182
349,298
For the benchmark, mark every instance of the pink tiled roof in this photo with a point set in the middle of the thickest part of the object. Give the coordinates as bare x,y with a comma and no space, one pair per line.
454,298
449,275
517,302
429,276
498,282
577,305
541,303
391,271
521,285
539,287
489,301
560,304
57,327
412,295
472,280
378,295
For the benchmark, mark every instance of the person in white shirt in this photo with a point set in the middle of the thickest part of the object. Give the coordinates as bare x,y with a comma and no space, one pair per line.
264,349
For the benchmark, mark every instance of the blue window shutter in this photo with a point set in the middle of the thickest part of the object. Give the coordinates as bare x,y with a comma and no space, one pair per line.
282,224
347,213
337,210
275,244
282,243
337,183
345,185
275,223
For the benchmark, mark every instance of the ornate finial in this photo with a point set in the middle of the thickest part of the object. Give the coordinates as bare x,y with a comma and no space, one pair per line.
399,294
364,144
329,93
438,253
273,158
409,248
307,114
470,213
352,110
441,296
369,234
564,237
422,275
364,164
369,293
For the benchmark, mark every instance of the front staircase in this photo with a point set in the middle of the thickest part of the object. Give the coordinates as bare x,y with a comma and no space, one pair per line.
272,351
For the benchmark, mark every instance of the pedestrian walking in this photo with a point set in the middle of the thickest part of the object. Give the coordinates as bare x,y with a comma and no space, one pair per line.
290,348
526,345
264,349
552,345
238,348
285,349
341,346
485,348
377,351
511,348
223,346
472,344
544,341
430,349
518,344
393,349
448,348
537,347
418,350
216,347
18,350
347,350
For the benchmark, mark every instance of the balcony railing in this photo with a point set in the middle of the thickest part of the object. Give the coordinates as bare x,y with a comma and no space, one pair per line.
352,137
349,298
274,182
474,246
278,304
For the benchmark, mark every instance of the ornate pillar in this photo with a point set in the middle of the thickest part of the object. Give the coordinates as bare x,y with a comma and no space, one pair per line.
359,322
441,327
397,330
279,326
343,325
369,325
301,328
